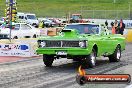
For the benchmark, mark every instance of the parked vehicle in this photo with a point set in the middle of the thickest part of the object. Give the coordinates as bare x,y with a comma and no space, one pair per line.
56,21
28,18
82,42
48,23
76,18
21,30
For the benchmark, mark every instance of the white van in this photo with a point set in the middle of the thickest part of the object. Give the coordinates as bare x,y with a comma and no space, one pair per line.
28,18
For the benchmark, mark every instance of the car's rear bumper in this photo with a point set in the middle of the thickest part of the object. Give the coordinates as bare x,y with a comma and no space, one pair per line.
69,51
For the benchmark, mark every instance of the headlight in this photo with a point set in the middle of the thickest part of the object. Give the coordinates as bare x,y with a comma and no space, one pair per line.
42,44
82,44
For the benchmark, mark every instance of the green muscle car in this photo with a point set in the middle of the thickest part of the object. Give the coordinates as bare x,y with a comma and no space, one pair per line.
82,42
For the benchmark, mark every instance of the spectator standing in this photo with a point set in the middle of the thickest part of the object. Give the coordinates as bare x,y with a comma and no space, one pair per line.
116,26
113,28
121,26
41,24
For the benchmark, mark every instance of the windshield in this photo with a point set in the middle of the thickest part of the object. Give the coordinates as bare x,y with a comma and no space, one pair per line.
31,16
48,21
85,28
76,17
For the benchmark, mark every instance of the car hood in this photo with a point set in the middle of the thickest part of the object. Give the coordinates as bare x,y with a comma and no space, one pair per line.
60,38
65,35
5,31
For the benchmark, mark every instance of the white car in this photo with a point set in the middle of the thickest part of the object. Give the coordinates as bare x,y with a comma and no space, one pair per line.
28,18
22,30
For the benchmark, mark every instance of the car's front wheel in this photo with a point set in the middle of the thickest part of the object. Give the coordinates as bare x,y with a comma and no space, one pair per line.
34,36
15,37
48,60
90,60
115,57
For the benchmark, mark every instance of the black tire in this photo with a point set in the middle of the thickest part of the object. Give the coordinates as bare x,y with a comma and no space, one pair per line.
90,60
77,59
48,60
115,57
15,37
34,36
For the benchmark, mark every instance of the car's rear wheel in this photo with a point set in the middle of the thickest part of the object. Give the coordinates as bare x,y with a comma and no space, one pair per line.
48,60
90,60
15,37
115,57
34,36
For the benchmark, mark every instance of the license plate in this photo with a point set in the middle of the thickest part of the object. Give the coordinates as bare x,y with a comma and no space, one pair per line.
61,53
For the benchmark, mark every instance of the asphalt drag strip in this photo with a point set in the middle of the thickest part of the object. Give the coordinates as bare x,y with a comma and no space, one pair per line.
33,73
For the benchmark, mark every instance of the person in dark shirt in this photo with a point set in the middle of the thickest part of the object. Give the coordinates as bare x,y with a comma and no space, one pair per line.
116,26
121,26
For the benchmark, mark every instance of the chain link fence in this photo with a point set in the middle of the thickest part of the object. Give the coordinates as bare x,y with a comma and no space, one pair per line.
96,14
106,14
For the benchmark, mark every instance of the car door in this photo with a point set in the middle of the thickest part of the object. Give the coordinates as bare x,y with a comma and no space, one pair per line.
16,32
112,43
108,42
25,30
30,30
